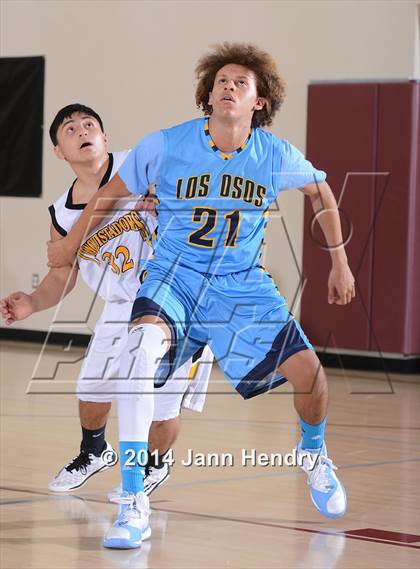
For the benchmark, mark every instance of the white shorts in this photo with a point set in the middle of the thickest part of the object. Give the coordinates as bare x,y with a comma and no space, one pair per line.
186,388
99,376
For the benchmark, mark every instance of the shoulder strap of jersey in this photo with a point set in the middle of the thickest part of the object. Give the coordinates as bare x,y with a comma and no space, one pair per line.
55,223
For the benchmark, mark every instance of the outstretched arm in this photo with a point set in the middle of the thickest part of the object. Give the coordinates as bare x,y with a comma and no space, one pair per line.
341,288
57,284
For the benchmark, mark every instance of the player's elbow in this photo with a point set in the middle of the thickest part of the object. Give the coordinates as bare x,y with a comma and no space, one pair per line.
316,190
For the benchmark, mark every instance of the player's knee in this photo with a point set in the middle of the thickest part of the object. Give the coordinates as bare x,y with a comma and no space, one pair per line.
146,347
305,372
165,415
317,385
319,378
148,340
310,364
150,319
135,322
93,396
159,425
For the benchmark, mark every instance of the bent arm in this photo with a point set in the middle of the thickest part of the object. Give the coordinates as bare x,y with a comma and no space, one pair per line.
140,169
61,253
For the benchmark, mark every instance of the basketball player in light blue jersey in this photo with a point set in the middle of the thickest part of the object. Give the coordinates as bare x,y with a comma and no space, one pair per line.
215,180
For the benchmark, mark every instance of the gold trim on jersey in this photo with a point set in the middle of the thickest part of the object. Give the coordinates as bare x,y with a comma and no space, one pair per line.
128,222
213,146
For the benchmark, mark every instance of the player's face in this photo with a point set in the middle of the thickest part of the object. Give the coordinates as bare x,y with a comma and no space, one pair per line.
234,93
80,139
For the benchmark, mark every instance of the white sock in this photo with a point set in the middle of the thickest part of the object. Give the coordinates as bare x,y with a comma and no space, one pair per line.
146,346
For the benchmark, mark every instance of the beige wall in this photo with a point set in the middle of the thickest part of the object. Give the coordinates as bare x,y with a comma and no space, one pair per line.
133,61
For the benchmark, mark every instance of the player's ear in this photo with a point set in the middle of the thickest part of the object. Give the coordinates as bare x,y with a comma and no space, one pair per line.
105,138
58,152
259,103
211,98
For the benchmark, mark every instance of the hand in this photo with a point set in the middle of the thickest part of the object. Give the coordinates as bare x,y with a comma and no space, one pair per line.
16,306
59,254
341,288
149,202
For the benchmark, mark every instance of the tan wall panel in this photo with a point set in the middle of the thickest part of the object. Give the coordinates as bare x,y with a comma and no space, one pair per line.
134,61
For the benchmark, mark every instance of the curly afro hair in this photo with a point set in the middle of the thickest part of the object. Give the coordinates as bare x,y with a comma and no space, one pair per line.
270,84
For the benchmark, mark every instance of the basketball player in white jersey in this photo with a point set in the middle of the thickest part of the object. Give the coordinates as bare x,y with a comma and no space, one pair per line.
109,262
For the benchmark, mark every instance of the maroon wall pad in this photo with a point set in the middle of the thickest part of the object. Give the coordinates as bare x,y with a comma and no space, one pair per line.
395,271
366,137
342,141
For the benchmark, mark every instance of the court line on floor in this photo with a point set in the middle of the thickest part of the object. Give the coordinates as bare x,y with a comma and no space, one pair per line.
337,434
373,438
239,520
294,472
293,528
289,424
58,497
218,420
345,534
296,424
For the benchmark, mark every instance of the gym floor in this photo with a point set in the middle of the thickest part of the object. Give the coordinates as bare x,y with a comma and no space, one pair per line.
213,517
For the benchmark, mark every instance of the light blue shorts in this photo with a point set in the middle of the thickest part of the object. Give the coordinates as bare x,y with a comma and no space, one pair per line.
241,316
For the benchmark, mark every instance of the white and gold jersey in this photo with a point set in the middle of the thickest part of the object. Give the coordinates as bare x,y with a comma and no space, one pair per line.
110,257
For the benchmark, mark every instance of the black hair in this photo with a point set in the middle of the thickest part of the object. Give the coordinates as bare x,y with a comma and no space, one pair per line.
66,113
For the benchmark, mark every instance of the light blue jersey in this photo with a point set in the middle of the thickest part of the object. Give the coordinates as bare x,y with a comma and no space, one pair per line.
213,205
205,281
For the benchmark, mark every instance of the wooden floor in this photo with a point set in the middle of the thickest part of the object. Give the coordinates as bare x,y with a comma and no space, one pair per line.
231,517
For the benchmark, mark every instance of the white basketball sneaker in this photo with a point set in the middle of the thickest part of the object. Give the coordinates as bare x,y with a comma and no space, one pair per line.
327,493
132,525
81,468
155,477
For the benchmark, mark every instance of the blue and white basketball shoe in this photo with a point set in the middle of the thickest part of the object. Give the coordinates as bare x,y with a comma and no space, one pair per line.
327,493
132,525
